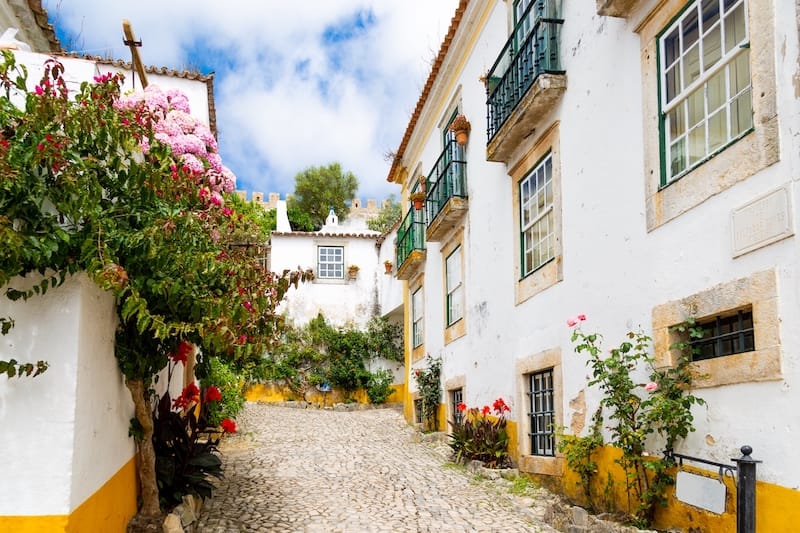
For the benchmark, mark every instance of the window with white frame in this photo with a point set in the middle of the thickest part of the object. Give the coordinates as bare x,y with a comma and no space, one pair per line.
705,83
330,262
541,412
417,315
455,293
456,399
537,219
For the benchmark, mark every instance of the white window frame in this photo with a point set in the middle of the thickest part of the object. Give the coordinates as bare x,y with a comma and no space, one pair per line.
334,266
695,125
537,216
417,318
454,283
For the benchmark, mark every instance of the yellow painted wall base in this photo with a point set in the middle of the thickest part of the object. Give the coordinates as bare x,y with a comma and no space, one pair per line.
777,507
108,510
34,524
270,392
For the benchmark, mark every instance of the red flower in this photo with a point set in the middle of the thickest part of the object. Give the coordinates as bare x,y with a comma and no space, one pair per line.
213,394
461,407
180,355
500,406
486,410
228,426
189,394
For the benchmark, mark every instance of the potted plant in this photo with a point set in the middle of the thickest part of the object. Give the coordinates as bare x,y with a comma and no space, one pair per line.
352,272
461,127
388,266
417,198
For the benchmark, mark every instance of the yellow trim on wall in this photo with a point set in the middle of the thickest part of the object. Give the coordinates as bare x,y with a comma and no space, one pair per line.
111,507
34,524
108,510
269,393
777,507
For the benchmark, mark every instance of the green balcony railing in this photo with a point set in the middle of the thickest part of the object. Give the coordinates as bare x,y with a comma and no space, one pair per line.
447,179
410,235
532,49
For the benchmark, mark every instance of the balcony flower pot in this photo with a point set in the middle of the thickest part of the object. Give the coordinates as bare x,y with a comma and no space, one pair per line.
388,266
417,198
461,127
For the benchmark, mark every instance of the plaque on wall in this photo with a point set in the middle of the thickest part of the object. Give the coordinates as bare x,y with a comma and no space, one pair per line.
763,221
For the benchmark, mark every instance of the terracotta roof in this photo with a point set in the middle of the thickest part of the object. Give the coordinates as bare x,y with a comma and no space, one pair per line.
357,235
423,98
40,16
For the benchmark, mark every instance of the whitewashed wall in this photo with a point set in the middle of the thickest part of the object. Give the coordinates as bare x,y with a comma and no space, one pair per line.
340,301
66,431
614,270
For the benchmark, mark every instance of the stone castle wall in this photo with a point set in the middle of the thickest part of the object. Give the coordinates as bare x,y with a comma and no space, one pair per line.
271,202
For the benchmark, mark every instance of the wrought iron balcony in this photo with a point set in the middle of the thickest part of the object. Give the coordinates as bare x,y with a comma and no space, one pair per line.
526,79
446,199
410,248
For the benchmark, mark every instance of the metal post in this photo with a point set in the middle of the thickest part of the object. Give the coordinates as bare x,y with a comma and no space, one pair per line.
746,492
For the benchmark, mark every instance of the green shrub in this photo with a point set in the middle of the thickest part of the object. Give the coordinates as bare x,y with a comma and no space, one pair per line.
379,387
479,435
222,376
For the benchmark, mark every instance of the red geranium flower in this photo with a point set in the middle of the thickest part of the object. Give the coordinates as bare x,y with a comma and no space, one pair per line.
182,353
228,426
213,394
461,407
500,406
486,410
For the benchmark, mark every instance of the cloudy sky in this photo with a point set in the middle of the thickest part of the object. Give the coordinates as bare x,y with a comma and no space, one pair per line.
297,83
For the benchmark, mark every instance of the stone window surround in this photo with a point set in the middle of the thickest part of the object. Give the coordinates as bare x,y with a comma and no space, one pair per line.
459,328
454,383
759,290
551,272
547,359
751,153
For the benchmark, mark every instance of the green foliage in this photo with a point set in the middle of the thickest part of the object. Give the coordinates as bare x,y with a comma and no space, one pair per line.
222,375
318,189
299,220
481,435
185,452
384,339
638,410
379,386
320,353
388,215
522,485
578,453
429,384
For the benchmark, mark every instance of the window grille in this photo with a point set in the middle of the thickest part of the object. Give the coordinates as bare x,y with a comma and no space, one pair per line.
541,413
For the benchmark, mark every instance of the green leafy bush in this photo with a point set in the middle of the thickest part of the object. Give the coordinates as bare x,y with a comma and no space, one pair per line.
379,387
429,384
230,385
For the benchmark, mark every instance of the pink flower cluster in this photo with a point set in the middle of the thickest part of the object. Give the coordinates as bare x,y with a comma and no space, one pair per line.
577,319
189,139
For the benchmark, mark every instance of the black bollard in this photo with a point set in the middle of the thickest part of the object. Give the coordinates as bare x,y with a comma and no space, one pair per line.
746,492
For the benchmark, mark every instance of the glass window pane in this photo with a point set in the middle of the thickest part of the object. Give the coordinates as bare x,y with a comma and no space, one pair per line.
691,66
697,144
735,28
678,157
740,73
690,29
741,114
696,107
717,131
676,121
710,11
671,47
673,82
712,48
715,91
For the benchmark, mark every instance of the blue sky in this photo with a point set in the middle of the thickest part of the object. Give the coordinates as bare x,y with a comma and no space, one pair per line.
297,83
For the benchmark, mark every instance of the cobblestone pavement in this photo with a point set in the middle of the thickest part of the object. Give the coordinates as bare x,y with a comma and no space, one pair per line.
310,470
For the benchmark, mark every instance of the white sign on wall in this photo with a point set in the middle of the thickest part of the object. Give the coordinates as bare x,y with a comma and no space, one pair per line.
763,221
700,491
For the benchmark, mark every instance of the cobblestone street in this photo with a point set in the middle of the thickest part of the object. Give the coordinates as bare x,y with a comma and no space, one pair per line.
310,470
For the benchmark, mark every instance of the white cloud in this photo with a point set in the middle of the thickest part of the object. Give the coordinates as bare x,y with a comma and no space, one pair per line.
273,116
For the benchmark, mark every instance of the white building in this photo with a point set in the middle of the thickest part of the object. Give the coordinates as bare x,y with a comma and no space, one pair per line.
69,463
625,165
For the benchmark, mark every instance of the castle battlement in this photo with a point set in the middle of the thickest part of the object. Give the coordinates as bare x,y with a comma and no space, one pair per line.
356,205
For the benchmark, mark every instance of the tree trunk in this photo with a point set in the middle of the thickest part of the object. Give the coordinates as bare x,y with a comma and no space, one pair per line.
147,455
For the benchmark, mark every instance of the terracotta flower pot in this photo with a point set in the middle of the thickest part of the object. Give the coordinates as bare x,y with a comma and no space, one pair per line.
461,137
